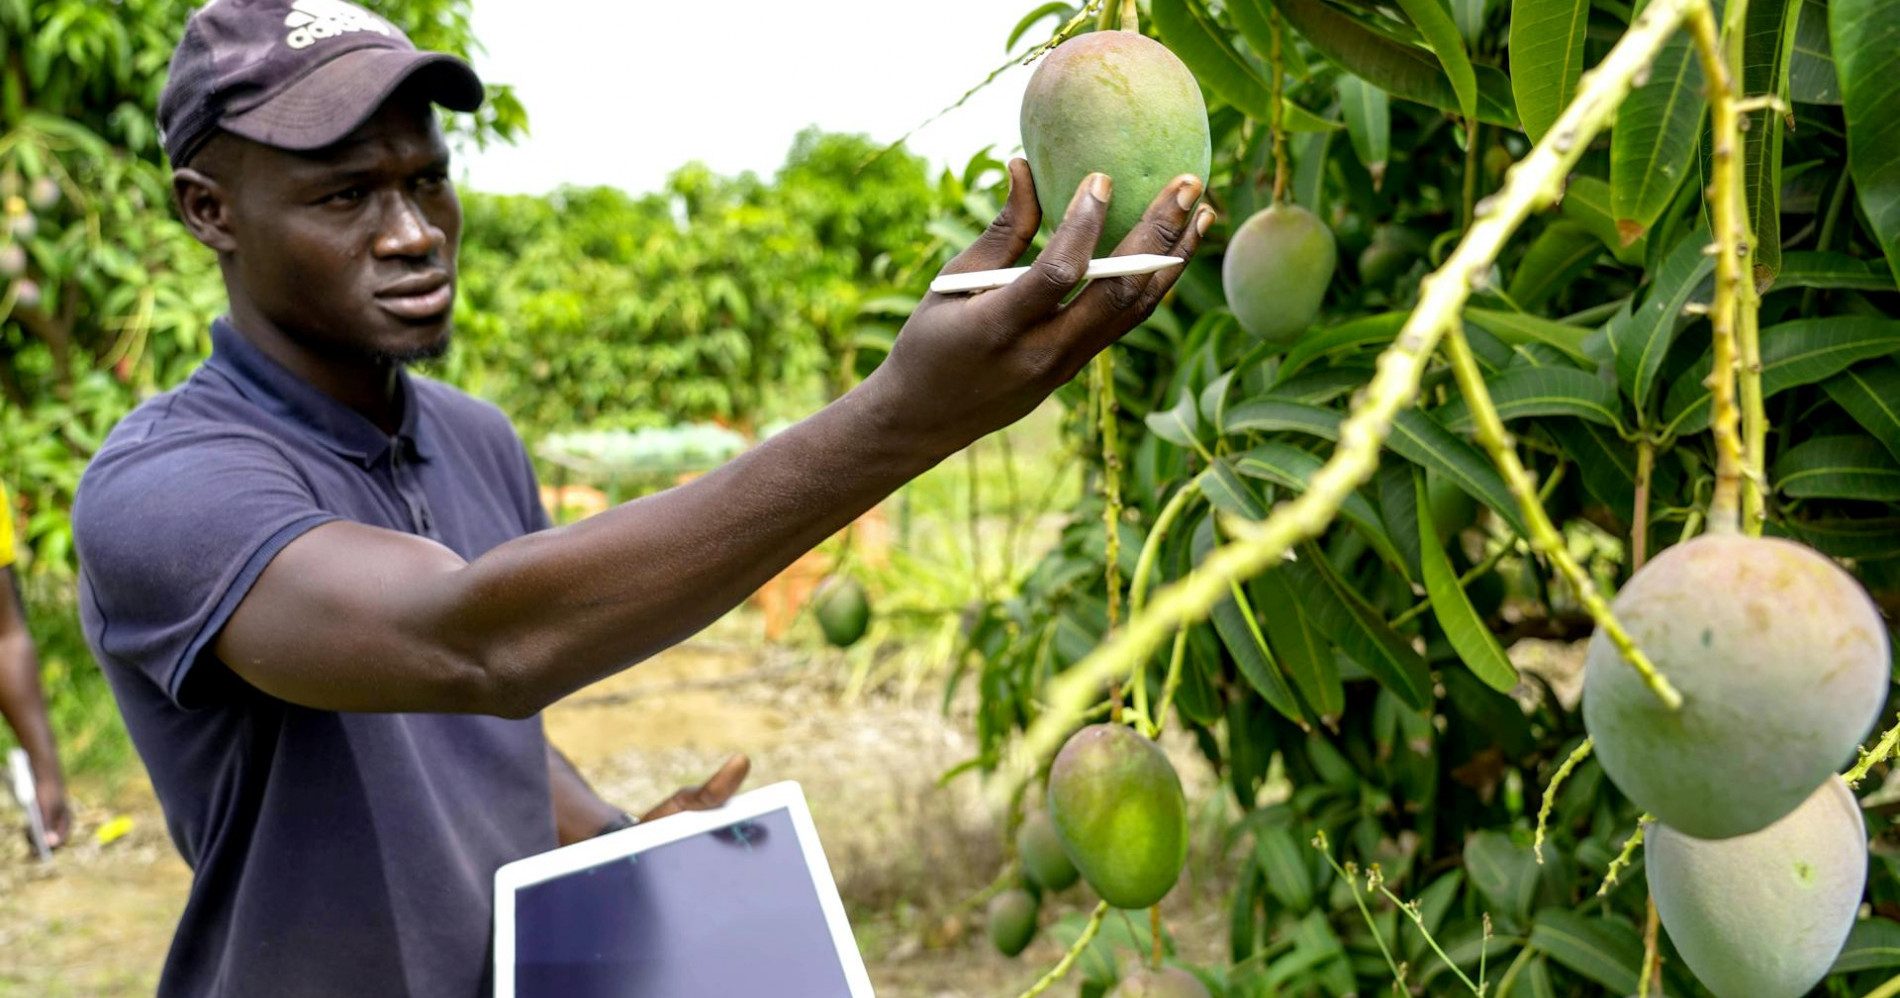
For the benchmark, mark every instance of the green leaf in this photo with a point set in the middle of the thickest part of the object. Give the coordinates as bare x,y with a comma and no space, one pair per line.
1274,415
1239,631
1470,15
1282,857
1368,123
1505,873
1293,468
1768,37
1191,33
1652,149
1301,645
1061,11
1546,58
1608,953
1873,944
1587,202
1404,71
1862,539
1469,637
1358,629
1641,342
1559,254
1520,392
1871,394
1366,331
1811,269
1795,353
1519,328
1812,78
1433,20
1866,35
1181,425
1421,440
1838,468
1604,460
1228,492
1537,982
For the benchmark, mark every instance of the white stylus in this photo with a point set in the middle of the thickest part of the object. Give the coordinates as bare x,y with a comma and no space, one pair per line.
1108,266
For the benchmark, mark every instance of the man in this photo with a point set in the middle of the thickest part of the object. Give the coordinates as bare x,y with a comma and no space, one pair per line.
324,589
21,701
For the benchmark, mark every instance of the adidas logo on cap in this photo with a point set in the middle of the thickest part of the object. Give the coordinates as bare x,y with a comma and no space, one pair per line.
312,21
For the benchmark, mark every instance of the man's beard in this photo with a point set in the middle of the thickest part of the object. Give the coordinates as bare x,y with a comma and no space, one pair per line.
414,355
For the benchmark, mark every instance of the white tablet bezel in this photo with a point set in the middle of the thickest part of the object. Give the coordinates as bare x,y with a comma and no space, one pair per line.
618,845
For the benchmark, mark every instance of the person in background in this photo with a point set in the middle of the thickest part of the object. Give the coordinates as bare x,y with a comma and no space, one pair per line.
21,702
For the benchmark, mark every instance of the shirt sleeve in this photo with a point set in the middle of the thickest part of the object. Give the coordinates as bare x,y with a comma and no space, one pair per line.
7,554
172,531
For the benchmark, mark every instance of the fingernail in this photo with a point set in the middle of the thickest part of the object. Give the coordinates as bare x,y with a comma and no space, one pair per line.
1101,186
1189,192
1202,220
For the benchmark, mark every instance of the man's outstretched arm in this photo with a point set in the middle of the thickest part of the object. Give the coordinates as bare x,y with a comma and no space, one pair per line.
356,618
24,706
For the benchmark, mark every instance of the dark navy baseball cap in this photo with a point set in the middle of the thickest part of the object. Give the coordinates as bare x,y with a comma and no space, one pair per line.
295,74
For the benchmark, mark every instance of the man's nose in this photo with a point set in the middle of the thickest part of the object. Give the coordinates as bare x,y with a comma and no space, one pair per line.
406,231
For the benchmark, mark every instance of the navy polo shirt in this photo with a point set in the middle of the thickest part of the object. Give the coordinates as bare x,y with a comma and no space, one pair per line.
332,853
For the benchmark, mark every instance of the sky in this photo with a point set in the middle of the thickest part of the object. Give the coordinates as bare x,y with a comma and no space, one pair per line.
622,92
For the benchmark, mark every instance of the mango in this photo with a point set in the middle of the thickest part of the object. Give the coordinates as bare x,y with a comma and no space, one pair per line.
1012,920
1782,663
1763,915
1044,862
1112,102
43,195
842,609
1118,808
26,294
12,260
1276,270
1168,982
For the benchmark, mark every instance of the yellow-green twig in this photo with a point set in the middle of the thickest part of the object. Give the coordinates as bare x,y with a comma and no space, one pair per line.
1731,250
1886,990
1276,67
1871,758
1624,857
1061,969
1576,757
1545,537
1533,183
1173,682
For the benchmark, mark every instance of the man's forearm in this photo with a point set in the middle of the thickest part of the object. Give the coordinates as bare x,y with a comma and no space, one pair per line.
549,613
23,705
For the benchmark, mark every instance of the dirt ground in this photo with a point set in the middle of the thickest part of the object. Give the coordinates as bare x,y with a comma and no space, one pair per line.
96,922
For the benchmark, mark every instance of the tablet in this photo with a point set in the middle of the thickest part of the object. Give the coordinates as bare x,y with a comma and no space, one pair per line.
701,904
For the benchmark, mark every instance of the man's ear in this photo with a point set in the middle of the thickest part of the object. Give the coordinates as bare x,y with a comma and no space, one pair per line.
205,205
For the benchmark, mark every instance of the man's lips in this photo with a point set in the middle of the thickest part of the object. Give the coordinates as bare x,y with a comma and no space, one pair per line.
418,297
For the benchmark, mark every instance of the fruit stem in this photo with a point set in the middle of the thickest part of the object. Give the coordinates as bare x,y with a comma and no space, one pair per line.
1276,71
1061,969
1652,967
1639,513
1887,990
1732,256
1154,930
1104,371
1151,547
1545,538
1131,16
1533,183
1173,682
1576,757
1474,167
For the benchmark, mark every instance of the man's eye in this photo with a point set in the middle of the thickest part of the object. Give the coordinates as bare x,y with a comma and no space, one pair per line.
434,178
348,195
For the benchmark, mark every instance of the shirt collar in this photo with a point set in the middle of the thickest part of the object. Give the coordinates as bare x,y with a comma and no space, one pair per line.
272,387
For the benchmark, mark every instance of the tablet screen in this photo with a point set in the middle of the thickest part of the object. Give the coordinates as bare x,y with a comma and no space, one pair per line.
727,913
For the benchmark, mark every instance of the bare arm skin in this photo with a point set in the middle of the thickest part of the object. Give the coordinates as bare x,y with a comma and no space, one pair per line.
24,707
356,618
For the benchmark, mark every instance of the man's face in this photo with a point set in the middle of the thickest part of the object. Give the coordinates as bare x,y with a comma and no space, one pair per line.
350,250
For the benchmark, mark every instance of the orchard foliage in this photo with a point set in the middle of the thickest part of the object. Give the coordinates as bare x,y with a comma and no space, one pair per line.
1357,698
